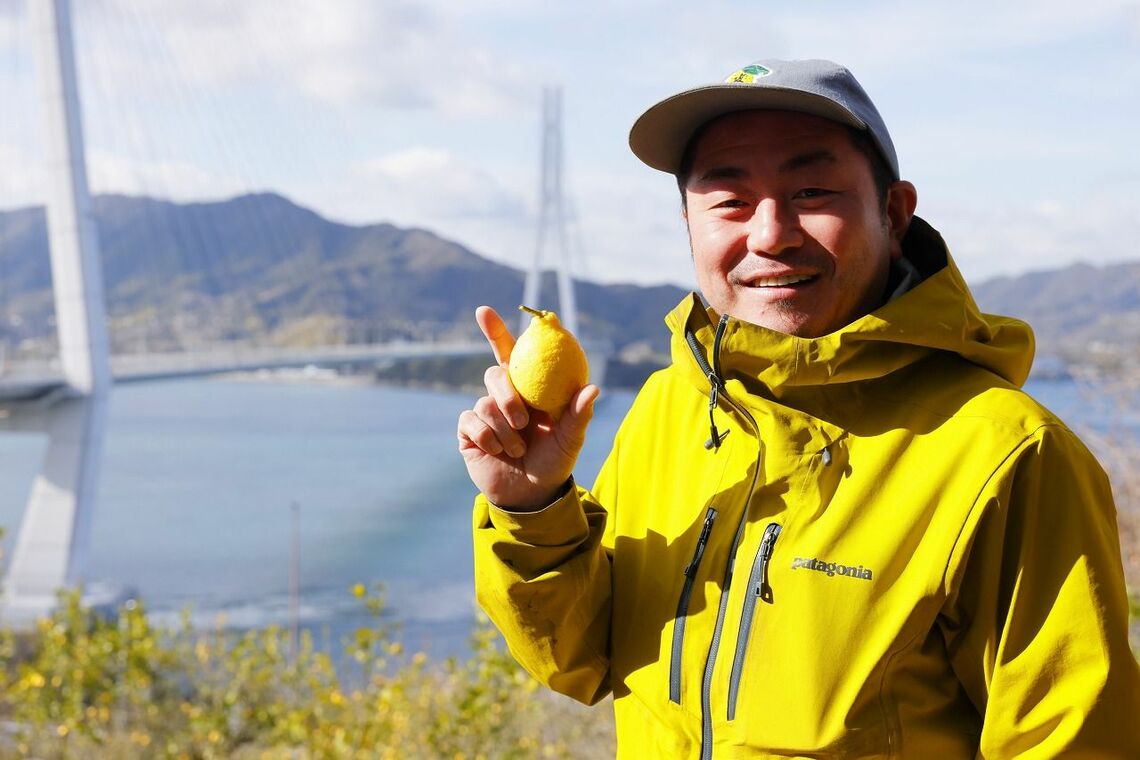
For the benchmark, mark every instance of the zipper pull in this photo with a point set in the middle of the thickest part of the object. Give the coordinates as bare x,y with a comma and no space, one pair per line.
714,437
767,547
702,541
826,456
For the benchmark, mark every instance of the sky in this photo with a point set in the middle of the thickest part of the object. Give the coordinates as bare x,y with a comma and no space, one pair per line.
1015,120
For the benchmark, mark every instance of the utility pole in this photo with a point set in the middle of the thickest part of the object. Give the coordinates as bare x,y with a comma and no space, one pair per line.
295,583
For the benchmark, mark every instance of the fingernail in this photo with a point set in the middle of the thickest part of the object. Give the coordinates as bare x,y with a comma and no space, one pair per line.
517,450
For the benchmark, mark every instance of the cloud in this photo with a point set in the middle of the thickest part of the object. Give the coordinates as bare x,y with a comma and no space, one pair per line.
402,55
433,183
171,180
885,36
9,27
422,112
1097,227
619,229
23,181
629,227
432,188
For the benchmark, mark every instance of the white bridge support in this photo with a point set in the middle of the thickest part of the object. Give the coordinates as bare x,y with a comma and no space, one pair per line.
552,224
51,546
551,217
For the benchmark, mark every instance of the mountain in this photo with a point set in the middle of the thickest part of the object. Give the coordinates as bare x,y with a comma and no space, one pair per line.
1080,312
260,268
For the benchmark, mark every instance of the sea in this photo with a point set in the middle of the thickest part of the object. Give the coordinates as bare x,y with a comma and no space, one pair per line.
211,490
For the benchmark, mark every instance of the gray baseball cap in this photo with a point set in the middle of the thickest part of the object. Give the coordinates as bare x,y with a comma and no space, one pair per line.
660,135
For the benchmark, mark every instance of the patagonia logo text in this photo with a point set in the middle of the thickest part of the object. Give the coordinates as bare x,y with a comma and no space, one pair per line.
832,568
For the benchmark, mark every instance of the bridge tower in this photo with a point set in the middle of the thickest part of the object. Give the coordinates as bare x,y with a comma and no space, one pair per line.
551,218
553,222
51,546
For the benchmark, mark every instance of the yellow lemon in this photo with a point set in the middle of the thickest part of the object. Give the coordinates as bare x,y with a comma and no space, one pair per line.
548,365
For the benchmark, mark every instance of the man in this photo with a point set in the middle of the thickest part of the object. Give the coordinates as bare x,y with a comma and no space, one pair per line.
834,526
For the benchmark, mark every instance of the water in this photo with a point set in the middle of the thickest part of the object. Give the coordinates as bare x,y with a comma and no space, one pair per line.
199,479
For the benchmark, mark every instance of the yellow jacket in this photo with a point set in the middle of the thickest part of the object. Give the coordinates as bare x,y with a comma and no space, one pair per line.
892,552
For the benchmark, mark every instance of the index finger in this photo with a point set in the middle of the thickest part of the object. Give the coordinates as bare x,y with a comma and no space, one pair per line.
496,333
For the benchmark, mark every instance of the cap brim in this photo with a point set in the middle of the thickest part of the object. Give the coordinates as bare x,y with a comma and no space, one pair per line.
660,135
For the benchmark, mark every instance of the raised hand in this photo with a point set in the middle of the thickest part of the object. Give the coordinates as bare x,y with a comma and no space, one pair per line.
518,457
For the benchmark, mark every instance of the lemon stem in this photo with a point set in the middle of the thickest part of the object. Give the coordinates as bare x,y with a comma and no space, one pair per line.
535,312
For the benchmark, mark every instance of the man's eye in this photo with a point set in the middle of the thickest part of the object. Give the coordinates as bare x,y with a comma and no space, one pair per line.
812,192
730,203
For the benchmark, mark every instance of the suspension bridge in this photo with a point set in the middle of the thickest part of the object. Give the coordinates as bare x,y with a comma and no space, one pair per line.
66,396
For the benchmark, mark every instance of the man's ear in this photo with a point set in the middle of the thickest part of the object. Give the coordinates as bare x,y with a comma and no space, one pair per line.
902,199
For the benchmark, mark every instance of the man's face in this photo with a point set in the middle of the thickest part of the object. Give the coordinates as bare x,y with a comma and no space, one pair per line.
785,226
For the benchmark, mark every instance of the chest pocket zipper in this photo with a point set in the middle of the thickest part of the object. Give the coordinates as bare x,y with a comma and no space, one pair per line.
758,590
690,573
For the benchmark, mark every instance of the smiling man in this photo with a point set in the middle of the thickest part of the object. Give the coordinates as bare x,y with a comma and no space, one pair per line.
787,228
834,526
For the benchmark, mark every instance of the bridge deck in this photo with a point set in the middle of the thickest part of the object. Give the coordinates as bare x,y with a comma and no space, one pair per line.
29,382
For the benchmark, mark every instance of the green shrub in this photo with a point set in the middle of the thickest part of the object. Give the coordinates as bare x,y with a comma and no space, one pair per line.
81,686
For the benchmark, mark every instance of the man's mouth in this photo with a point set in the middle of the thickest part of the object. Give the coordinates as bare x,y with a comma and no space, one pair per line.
779,282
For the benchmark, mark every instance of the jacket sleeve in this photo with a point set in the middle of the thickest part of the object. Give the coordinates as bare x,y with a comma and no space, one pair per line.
544,579
1036,618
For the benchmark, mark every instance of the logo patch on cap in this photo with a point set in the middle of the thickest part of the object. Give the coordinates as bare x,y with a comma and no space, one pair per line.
748,74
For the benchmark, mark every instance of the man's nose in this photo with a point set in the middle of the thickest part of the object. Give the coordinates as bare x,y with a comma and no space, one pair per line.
773,228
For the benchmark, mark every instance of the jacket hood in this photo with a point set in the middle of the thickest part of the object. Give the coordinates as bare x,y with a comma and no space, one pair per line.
936,315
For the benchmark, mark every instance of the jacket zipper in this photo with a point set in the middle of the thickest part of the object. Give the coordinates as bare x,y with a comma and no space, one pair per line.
713,374
690,573
758,589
